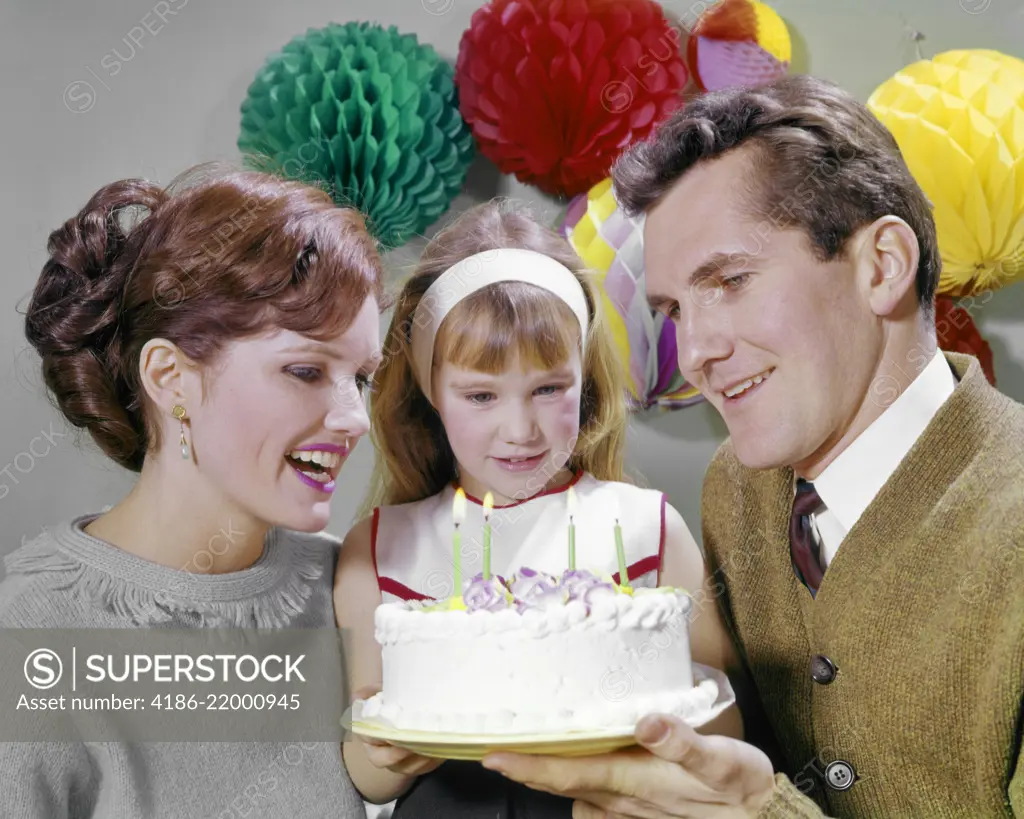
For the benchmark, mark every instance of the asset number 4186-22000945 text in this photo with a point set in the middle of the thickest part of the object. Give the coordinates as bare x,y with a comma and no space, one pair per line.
226,702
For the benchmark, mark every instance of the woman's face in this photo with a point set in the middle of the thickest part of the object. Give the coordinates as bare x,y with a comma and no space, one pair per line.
279,417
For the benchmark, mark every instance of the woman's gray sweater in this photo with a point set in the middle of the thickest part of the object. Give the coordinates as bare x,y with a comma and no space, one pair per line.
68,579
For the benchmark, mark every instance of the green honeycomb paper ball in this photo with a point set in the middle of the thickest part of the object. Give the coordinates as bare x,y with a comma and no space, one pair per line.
368,114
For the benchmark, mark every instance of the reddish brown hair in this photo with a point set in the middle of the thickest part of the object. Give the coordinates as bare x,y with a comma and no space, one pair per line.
220,256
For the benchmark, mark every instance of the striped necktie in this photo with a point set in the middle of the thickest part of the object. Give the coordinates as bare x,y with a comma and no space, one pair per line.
802,548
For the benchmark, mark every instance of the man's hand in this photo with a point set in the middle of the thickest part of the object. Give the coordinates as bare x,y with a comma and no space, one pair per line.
676,773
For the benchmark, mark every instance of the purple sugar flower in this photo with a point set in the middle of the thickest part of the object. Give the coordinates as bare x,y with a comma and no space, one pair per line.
599,591
580,584
544,598
486,595
528,583
479,576
573,579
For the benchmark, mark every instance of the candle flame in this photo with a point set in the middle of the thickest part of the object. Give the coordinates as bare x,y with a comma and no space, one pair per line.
571,502
488,505
459,506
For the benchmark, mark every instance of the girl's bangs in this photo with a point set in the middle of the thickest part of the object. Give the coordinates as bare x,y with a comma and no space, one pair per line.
488,330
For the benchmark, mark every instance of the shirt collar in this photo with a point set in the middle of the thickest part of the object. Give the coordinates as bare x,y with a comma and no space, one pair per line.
848,484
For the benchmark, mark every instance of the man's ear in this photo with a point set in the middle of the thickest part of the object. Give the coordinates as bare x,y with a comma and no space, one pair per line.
887,257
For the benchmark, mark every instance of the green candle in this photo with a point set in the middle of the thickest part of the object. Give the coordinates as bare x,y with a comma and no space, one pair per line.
488,507
621,553
571,503
458,560
458,515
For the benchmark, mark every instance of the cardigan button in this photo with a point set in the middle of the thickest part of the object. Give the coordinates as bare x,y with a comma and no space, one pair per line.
823,670
839,775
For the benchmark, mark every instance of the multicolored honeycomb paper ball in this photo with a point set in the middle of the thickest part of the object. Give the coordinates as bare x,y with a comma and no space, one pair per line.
738,43
611,244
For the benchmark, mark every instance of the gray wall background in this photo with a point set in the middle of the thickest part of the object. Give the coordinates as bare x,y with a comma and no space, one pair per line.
176,103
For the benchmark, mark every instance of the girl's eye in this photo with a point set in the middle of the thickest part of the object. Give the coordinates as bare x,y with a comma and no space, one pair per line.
480,397
549,389
306,374
732,282
364,382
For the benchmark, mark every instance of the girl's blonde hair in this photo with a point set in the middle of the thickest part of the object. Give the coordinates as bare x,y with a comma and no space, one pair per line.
484,332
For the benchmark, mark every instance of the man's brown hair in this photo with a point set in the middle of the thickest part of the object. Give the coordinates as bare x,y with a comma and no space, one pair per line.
822,162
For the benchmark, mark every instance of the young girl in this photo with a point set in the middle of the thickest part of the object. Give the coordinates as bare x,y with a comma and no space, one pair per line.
498,377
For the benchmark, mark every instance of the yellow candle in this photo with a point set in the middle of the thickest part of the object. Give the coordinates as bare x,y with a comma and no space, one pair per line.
621,553
488,508
571,503
458,516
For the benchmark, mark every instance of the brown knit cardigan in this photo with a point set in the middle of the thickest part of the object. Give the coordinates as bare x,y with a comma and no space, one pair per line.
921,614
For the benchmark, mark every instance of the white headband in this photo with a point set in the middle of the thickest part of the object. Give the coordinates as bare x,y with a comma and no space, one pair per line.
478,271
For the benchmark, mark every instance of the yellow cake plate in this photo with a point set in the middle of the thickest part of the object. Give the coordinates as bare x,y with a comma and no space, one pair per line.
477,746
566,743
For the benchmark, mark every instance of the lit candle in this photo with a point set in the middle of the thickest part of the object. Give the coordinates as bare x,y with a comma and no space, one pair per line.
571,503
488,507
621,553
458,516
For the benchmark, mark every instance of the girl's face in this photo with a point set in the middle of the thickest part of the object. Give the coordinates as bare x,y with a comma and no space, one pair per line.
280,416
511,433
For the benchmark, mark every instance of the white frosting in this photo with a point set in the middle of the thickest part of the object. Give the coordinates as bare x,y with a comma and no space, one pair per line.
540,671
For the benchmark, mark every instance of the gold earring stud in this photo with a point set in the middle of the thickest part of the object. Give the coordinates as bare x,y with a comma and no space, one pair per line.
178,411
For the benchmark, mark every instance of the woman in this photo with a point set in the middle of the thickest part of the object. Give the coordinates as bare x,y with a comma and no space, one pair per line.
219,348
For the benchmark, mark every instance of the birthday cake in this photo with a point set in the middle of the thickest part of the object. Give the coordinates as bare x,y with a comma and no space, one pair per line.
537,654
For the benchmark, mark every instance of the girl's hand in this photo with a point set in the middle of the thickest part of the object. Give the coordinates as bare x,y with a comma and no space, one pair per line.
390,757
398,760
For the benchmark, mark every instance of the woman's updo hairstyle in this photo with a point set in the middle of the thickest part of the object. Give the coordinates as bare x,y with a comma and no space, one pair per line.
216,256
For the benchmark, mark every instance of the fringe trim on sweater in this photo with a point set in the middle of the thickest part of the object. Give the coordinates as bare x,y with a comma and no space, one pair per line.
276,607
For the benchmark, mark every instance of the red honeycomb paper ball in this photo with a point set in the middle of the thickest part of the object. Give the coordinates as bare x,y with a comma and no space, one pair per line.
554,90
956,332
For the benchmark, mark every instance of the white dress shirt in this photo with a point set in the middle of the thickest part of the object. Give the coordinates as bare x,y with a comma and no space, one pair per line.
848,484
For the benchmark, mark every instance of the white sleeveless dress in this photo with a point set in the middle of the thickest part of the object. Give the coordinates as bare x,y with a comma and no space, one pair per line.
413,549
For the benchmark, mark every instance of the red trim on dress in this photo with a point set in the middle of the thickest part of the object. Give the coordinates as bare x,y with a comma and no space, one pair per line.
661,542
373,541
640,568
556,490
392,586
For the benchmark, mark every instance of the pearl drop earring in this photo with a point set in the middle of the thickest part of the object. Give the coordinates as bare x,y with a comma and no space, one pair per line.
178,412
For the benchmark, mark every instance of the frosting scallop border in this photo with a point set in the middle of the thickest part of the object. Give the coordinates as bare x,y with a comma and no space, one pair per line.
396,623
685,704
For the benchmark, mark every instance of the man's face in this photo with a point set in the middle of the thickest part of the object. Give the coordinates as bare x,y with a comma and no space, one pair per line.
782,344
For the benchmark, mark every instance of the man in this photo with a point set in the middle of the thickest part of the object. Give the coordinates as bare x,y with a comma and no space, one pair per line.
864,521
